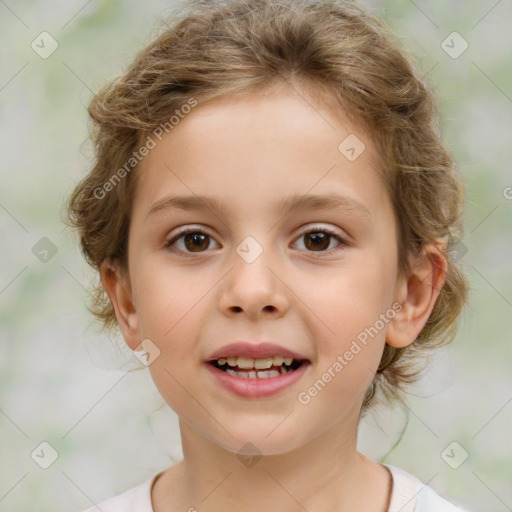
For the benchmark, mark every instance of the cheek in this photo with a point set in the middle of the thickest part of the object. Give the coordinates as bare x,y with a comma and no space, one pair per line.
171,312
168,300
171,383
352,297
168,304
354,308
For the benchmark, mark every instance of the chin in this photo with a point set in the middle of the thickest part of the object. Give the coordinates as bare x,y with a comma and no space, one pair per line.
260,442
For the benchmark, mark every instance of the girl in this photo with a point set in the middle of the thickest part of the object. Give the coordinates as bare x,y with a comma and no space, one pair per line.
271,212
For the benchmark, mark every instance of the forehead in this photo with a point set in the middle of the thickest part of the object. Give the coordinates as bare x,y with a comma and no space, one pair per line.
283,117
267,145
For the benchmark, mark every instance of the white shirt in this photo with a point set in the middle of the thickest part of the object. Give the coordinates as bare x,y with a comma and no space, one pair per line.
408,495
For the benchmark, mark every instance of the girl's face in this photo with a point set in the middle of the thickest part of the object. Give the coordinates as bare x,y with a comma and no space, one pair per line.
259,269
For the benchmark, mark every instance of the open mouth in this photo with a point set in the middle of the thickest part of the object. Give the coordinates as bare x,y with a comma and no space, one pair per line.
265,368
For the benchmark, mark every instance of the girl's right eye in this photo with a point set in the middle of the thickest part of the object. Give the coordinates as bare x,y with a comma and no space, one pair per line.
194,240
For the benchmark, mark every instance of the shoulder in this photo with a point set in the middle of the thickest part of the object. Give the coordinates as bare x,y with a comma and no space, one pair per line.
410,494
136,499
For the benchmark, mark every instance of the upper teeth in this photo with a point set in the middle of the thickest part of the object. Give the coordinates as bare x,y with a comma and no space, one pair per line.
259,364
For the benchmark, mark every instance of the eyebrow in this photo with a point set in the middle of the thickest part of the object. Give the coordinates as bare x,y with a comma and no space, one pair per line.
306,202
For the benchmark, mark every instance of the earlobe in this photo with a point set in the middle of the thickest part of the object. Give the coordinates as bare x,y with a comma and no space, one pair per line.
117,286
417,295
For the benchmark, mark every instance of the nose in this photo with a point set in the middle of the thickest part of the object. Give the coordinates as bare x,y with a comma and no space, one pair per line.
255,288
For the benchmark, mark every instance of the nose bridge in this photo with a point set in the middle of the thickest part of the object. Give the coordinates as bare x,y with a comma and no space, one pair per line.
252,285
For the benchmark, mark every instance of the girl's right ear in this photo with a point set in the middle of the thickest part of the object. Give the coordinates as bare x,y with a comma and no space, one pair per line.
117,285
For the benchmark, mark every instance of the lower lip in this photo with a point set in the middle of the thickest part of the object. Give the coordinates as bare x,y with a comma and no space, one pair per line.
257,388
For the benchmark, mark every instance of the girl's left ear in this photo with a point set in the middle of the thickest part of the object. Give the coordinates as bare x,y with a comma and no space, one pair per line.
418,294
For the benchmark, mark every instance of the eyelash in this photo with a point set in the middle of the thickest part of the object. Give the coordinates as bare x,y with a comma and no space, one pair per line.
168,243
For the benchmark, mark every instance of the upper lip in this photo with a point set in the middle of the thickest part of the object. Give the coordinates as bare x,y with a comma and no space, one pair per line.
254,351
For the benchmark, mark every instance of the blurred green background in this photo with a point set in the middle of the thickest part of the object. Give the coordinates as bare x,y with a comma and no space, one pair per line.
63,383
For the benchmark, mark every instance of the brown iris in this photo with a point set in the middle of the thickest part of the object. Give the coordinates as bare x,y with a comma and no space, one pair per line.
194,241
320,241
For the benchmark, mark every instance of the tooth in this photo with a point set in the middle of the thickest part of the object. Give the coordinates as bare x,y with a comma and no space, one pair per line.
263,364
245,363
278,360
283,370
232,361
288,361
255,375
221,361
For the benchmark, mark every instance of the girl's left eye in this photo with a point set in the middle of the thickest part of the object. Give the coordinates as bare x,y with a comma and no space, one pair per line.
196,240
319,239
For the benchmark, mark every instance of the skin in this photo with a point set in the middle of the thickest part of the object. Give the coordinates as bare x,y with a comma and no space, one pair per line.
249,153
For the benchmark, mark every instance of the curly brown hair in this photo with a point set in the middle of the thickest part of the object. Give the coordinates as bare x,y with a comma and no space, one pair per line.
218,48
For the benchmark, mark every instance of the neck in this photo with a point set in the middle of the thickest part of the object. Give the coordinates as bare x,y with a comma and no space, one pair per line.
325,474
